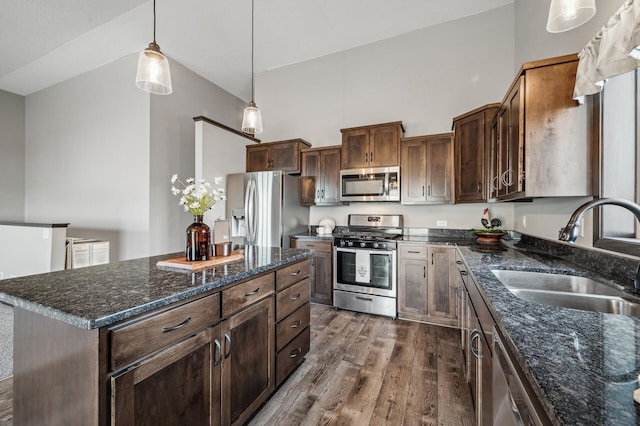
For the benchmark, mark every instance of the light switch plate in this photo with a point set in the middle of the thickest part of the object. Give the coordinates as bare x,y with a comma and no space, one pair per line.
441,223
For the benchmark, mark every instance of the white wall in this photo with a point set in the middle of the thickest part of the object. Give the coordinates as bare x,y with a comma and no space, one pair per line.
424,78
173,150
533,42
12,158
45,246
87,151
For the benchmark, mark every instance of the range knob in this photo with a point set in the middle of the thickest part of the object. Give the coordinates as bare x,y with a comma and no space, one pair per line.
342,243
350,243
363,244
375,245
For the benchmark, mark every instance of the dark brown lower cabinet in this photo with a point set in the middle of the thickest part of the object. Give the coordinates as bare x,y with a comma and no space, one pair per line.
321,267
172,387
248,342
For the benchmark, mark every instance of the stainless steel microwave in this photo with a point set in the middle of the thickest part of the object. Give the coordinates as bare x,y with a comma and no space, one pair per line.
373,184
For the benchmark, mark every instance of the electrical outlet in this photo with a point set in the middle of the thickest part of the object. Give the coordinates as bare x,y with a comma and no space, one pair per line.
524,221
45,233
582,228
442,223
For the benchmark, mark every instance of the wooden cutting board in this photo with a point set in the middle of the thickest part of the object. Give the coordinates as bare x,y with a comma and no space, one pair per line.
183,263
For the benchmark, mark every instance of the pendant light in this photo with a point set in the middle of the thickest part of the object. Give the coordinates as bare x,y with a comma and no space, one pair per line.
153,74
565,15
252,118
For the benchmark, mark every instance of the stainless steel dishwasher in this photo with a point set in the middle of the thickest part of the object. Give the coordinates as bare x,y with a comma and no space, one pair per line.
513,402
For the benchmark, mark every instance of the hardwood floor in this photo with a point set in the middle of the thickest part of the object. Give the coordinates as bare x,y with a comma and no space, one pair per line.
370,370
362,370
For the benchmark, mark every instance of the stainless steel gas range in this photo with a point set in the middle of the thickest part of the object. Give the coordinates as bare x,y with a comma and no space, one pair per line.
364,262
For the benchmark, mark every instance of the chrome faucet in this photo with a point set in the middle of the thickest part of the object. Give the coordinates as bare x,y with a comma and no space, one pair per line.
570,232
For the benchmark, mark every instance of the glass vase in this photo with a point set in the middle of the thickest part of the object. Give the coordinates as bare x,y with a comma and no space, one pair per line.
198,240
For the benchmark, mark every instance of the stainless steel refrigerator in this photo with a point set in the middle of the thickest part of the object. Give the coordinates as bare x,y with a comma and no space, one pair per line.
264,208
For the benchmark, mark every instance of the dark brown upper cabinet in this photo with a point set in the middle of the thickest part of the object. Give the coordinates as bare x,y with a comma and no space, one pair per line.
471,146
427,169
280,155
323,165
375,145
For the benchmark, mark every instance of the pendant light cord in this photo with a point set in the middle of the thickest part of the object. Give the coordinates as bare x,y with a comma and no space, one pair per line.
252,75
154,21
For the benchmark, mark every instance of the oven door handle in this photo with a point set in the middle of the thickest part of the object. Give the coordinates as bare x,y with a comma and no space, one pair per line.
347,250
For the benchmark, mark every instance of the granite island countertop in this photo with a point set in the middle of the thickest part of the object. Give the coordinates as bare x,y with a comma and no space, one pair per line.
98,296
583,365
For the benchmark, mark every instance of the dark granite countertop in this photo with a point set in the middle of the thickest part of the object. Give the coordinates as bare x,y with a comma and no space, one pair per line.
583,365
101,295
313,235
35,225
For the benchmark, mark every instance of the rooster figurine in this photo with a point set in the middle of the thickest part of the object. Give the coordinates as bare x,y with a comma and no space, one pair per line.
486,220
489,223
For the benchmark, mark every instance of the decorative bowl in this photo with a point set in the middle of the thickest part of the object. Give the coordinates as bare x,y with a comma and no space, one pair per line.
489,237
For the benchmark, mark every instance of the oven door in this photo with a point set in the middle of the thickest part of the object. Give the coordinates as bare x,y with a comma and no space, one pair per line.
365,271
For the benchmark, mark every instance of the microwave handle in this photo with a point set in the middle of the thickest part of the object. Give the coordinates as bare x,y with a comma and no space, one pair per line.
386,184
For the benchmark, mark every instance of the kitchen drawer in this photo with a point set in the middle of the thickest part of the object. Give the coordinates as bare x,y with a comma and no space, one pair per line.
132,341
412,251
292,354
289,327
315,245
292,298
245,294
292,274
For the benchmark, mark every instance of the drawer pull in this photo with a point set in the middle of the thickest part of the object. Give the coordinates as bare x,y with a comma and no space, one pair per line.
252,293
366,299
176,327
296,324
294,353
293,274
310,245
227,344
217,354
296,296
464,273
413,251
458,262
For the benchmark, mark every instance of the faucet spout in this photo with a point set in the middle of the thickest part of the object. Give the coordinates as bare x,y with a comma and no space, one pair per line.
570,232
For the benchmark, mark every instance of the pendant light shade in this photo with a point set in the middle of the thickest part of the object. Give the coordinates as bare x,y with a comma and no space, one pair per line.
153,74
252,118
565,15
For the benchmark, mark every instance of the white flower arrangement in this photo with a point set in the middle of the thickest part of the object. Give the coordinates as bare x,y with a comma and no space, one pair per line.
197,197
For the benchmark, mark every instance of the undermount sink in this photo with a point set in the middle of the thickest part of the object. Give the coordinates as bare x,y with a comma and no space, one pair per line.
569,291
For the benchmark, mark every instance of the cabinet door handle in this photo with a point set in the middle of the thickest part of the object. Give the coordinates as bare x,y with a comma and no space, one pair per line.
295,296
423,190
371,156
294,353
479,187
464,273
293,274
494,183
424,274
322,196
296,324
428,190
217,353
432,258
176,327
475,335
227,344
366,157
252,293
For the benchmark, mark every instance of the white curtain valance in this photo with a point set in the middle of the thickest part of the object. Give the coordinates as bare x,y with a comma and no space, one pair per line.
613,51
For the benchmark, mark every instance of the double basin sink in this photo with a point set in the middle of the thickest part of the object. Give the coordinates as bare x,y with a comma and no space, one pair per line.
569,291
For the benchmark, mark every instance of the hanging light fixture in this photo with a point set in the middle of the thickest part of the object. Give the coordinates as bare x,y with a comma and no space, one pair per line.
153,74
252,118
565,15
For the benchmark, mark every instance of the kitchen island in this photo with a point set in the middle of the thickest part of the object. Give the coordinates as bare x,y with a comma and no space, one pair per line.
103,344
583,366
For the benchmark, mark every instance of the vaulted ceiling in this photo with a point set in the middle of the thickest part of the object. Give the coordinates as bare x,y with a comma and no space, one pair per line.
45,42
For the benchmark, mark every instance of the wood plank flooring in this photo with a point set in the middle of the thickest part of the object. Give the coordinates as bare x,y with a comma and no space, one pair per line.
362,370
370,370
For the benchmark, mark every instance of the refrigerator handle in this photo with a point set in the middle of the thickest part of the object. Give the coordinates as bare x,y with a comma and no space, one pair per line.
252,208
247,210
